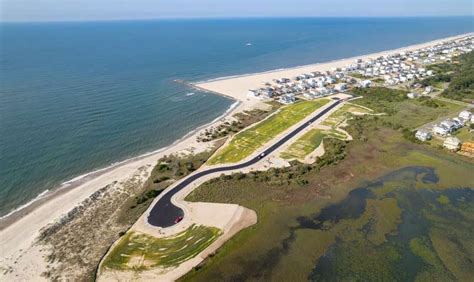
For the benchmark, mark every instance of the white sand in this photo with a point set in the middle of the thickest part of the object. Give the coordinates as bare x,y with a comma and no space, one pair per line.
17,238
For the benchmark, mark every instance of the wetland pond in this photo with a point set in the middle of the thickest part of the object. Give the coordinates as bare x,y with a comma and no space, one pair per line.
400,227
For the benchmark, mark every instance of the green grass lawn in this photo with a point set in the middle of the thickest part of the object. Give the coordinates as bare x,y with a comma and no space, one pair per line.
308,143
410,113
138,251
343,113
464,134
245,143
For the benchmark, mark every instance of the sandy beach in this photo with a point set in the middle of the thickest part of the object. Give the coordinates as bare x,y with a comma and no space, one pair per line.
18,253
19,231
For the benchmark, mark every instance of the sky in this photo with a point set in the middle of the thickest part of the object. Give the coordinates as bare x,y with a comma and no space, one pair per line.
84,10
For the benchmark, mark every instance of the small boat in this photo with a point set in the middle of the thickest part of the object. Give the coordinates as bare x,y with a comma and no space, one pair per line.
248,44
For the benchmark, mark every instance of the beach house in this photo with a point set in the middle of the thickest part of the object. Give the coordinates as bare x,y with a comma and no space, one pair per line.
440,130
465,115
468,148
423,135
287,99
449,124
452,143
341,87
365,83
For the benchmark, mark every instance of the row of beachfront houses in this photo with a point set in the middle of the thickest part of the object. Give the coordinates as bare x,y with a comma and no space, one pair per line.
444,51
446,127
409,66
393,69
310,85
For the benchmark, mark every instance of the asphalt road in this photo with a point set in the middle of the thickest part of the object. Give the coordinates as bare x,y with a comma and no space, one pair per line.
164,212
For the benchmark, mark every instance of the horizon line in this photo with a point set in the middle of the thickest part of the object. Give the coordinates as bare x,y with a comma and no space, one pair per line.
229,18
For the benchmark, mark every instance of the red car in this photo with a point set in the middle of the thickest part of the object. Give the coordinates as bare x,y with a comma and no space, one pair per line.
178,219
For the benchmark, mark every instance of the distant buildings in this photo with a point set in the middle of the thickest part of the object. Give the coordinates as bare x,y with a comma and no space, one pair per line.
440,130
423,135
428,90
287,99
393,69
465,115
408,66
467,148
341,87
365,83
412,95
452,143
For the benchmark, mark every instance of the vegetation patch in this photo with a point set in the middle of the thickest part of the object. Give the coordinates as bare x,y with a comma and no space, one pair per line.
137,251
344,113
246,142
239,122
307,143
401,112
461,86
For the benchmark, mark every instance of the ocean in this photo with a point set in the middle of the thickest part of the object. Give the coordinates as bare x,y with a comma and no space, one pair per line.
79,96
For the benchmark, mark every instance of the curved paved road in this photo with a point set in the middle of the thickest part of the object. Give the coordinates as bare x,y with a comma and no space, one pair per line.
164,213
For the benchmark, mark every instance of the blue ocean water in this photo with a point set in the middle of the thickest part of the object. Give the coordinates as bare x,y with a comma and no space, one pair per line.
76,97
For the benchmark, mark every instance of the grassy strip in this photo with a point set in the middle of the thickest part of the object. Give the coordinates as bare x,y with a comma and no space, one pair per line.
246,142
304,145
242,120
308,143
343,113
138,251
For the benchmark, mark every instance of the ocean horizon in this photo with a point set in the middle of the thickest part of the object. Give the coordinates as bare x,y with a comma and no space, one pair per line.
76,97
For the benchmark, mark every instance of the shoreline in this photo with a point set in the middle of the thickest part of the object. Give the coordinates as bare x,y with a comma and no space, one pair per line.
49,194
29,220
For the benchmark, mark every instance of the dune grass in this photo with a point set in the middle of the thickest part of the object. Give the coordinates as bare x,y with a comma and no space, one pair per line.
339,116
307,143
248,141
137,251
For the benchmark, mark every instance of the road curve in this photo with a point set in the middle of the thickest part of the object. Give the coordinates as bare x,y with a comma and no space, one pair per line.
164,212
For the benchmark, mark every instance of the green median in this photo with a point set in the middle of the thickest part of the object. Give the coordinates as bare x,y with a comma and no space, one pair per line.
248,141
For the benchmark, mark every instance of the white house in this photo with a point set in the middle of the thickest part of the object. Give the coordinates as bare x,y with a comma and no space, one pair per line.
440,130
287,99
341,87
310,94
252,93
428,90
452,143
423,135
449,125
266,93
323,90
366,83
459,122
465,115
